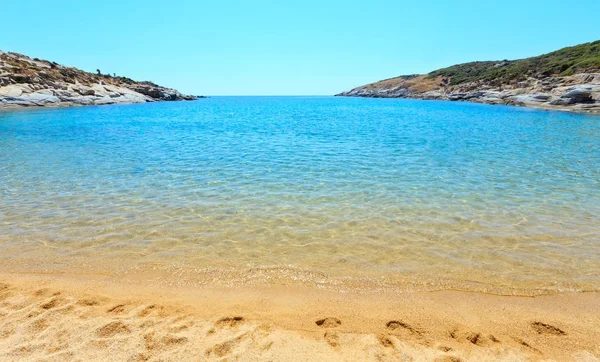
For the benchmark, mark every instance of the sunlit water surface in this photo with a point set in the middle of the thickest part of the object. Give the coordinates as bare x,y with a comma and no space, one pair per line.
445,195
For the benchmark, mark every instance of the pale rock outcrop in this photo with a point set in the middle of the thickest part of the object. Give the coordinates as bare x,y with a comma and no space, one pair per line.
26,82
579,92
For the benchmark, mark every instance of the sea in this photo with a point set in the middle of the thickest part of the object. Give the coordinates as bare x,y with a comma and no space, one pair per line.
323,191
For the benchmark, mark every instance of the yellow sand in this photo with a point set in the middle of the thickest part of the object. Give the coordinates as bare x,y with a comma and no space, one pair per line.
90,317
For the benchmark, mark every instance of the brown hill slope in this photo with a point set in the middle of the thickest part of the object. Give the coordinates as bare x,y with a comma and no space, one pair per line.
568,79
26,82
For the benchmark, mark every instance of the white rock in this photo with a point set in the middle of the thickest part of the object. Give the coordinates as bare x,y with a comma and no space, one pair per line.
11,91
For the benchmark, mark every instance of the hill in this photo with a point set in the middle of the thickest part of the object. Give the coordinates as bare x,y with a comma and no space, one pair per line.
26,82
568,78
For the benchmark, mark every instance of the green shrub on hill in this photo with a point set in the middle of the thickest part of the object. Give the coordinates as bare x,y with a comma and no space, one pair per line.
567,61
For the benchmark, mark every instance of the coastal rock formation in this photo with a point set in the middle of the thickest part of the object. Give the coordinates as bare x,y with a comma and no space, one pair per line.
26,82
568,79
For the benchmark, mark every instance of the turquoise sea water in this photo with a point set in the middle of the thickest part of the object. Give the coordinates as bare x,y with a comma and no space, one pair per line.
450,194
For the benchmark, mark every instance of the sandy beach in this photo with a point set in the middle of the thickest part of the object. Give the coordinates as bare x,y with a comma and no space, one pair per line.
178,232
300,181
58,317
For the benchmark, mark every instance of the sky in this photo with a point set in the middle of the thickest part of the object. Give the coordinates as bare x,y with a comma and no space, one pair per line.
309,47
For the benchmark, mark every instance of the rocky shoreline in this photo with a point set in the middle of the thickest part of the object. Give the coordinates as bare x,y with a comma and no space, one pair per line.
578,93
26,82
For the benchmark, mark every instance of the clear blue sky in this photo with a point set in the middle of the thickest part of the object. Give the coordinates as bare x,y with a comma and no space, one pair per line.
309,47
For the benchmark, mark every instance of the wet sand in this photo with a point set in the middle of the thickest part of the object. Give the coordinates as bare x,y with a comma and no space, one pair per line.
61,317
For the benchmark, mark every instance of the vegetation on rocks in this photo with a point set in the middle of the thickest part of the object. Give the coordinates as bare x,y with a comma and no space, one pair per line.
26,82
583,58
26,70
568,79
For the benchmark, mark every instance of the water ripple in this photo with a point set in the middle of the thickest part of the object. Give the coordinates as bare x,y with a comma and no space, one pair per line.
348,187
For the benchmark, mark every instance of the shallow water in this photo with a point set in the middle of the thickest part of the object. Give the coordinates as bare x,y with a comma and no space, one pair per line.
456,195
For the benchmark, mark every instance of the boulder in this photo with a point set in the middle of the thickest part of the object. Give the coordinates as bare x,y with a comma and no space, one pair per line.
21,78
561,102
86,92
40,99
30,100
574,95
149,91
11,91
458,96
530,98
434,94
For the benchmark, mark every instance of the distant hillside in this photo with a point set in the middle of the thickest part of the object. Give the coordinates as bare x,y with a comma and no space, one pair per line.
26,82
583,58
568,78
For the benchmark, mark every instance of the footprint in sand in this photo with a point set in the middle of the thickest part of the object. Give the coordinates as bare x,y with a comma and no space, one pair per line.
385,341
88,302
448,359
117,309
51,304
7,330
227,347
332,339
230,321
526,345
543,328
395,324
473,337
41,292
181,327
328,322
38,326
149,309
221,349
153,342
112,329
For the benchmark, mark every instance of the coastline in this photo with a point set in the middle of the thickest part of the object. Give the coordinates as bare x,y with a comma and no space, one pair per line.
579,92
12,107
545,107
58,316
27,82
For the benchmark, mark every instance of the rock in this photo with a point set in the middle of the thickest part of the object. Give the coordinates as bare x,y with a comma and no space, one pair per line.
46,91
41,98
540,97
28,100
574,95
105,100
5,81
81,100
11,91
434,94
561,102
580,92
458,96
85,91
492,97
50,84
529,98
578,95
148,91
20,78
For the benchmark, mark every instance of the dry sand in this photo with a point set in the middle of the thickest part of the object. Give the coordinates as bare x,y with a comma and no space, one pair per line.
59,317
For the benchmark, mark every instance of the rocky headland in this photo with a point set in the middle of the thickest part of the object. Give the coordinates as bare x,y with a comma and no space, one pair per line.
27,82
567,79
